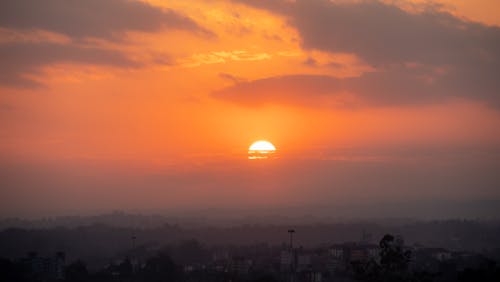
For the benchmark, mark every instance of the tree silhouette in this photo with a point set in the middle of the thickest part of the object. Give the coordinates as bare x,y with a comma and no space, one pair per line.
394,259
392,266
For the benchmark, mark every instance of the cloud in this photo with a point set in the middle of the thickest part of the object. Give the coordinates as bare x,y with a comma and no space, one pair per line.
19,59
231,78
76,22
405,85
427,54
92,18
276,6
295,89
375,89
217,57
384,34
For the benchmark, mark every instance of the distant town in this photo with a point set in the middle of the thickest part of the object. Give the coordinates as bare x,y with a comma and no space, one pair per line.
99,252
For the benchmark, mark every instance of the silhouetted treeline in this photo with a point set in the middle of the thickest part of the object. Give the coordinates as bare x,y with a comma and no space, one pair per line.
191,261
394,264
101,242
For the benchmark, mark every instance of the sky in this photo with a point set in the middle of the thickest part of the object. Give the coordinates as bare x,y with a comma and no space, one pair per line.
376,108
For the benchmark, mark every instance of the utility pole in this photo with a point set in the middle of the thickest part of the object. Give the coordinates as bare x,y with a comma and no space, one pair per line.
134,263
133,242
291,231
292,256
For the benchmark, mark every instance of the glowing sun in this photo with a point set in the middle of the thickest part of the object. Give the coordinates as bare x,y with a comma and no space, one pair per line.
261,150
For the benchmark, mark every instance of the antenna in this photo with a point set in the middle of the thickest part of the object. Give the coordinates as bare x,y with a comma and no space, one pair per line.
291,231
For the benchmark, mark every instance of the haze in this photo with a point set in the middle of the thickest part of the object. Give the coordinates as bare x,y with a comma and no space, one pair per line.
376,108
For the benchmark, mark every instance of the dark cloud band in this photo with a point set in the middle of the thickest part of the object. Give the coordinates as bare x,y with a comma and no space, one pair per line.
91,18
451,56
21,58
79,20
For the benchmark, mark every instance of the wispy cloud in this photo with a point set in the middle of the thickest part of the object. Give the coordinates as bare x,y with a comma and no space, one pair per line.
225,56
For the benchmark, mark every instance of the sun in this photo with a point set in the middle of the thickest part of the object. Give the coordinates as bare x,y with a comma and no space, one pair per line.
261,149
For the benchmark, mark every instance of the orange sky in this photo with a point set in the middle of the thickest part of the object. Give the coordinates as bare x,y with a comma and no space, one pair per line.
186,86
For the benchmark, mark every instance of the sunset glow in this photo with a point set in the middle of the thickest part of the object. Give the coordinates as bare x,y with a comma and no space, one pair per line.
158,101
